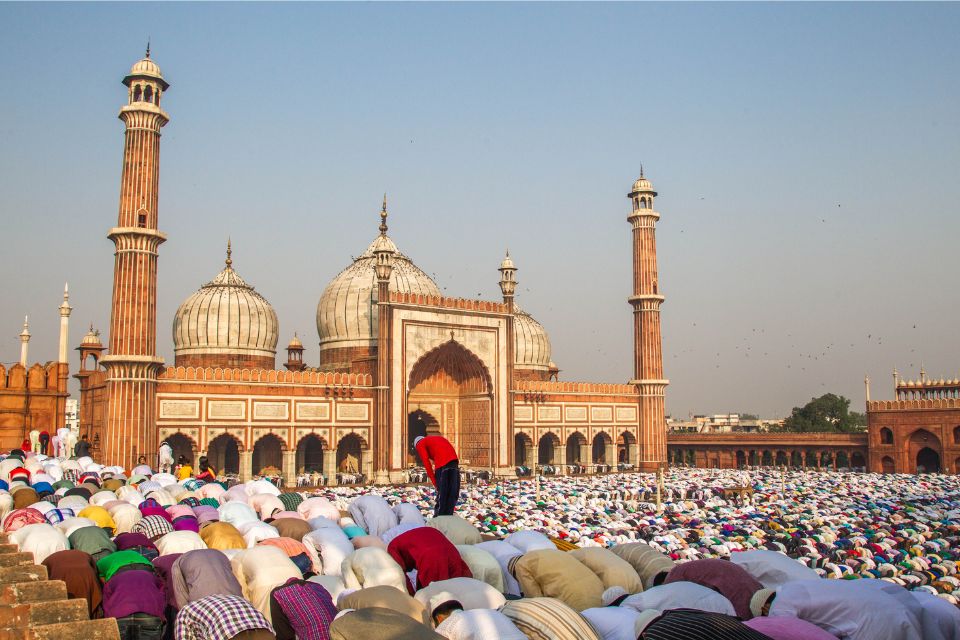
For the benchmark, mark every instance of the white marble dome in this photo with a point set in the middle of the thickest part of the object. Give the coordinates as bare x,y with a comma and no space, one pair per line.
347,312
531,343
226,317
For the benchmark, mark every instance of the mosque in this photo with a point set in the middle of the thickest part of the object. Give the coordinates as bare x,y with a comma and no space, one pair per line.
398,359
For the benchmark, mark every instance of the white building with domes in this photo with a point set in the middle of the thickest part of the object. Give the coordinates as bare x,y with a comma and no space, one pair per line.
397,359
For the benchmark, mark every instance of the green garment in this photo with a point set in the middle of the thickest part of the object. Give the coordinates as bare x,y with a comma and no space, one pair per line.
92,540
112,563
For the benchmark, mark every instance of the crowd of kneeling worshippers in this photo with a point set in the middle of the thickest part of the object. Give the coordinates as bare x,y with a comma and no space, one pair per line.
577,559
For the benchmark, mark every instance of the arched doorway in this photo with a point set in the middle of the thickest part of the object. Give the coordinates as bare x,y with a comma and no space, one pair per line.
577,449
522,450
887,465
182,446
310,454
224,454
350,454
858,461
267,454
455,378
419,422
767,458
928,461
926,453
843,460
626,448
602,449
741,459
547,449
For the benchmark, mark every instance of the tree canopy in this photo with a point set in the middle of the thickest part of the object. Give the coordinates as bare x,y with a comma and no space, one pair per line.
829,412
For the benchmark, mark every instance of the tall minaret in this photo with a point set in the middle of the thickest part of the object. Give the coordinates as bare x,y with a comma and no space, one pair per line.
384,252
132,364
63,365
65,310
647,351
24,341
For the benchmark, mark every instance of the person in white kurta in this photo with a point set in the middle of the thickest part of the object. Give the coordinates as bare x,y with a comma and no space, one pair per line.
772,568
848,610
479,624
680,595
618,623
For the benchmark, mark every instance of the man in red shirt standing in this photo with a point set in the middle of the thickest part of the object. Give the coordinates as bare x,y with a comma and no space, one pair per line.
436,452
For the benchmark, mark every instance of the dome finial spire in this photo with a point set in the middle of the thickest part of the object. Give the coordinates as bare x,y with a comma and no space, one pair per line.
383,216
148,46
229,254
641,169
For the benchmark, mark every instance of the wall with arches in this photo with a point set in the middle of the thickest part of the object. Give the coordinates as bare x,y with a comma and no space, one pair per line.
920,435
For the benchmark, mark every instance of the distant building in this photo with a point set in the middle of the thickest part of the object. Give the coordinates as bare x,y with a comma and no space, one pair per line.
33,397
920,430
72,416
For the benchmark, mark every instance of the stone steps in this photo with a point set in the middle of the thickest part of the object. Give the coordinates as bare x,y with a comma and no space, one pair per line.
35,608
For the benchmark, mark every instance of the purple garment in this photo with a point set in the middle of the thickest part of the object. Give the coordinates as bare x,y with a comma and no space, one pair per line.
186,523
731,580
786,628
200,573
130,592
164,567
126,541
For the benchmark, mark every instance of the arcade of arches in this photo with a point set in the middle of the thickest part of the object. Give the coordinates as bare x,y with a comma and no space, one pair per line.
270,454
451,394
740,450
599,453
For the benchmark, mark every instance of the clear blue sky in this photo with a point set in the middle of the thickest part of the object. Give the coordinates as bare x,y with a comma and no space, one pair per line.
806,155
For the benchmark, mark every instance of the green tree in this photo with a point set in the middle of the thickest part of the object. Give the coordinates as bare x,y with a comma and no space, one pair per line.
829,412
749,416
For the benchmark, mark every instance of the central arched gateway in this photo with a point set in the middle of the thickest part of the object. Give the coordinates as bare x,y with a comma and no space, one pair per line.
453,387
926,452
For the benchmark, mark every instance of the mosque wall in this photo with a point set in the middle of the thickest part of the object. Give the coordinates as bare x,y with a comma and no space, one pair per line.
30,399
906,435
735,450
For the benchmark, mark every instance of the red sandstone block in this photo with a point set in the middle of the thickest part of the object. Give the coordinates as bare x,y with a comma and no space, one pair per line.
32,591
15,559
104,629
14,616
23,573
58,611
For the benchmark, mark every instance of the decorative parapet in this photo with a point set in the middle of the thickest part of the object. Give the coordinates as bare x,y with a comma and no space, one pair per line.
271,376
599,388
443,302
900,405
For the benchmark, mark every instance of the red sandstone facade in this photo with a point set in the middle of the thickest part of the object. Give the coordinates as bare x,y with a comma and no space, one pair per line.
476,371
919,431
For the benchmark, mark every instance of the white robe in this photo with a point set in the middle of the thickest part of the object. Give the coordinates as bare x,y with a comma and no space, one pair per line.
680,595
848,609
614,623
772,568
479,624
372,566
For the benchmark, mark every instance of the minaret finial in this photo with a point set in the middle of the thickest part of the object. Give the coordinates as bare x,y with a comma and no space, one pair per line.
229,254
148,46
641,169
383,216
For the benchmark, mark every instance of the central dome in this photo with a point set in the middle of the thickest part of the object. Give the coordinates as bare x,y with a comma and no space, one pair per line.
226,324
347,313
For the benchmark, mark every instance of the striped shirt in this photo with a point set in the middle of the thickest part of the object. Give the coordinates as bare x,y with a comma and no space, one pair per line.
302,610
218,618
684,624
548,619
